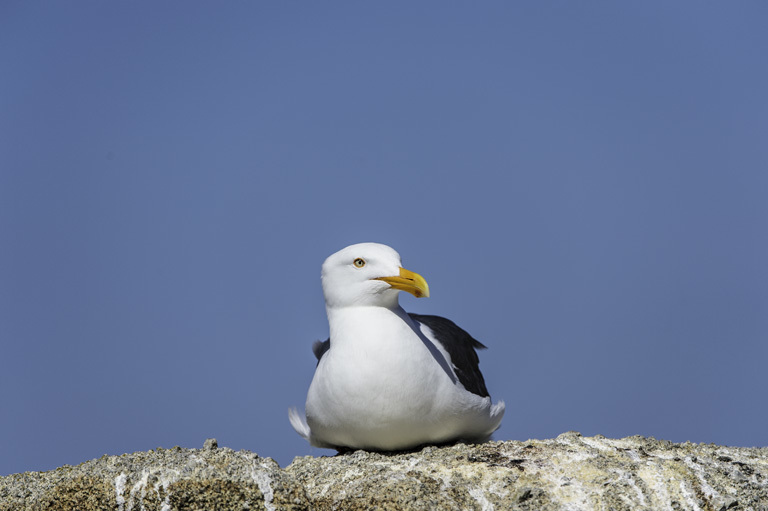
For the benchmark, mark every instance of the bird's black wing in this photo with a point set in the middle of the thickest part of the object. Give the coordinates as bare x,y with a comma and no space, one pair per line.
319,348
461,347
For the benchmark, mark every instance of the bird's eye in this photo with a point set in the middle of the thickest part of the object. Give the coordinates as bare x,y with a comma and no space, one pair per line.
359,263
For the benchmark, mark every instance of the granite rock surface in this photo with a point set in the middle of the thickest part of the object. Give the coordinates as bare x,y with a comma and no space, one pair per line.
569,472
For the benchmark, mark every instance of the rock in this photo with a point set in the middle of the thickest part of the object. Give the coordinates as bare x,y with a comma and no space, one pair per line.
163,479
568,472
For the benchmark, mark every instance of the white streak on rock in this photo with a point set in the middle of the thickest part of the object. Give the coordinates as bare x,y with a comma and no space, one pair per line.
120,490
264,482
138,487
597,444
697,469
479,496
689,497
656,479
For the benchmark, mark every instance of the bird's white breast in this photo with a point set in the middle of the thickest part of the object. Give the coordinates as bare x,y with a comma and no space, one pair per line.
382,385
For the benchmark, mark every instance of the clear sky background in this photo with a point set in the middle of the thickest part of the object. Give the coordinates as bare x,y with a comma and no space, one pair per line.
584,185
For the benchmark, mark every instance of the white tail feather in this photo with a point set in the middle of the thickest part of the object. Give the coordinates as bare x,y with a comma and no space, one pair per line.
299,423
497,410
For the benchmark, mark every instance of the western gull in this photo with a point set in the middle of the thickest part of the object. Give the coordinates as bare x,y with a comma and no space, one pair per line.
386,379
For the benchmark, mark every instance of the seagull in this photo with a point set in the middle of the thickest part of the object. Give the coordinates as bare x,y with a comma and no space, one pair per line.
388,380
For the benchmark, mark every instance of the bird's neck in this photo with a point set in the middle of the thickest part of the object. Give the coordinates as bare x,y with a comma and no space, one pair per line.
362,325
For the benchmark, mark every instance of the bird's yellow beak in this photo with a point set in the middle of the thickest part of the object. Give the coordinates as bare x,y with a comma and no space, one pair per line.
408,281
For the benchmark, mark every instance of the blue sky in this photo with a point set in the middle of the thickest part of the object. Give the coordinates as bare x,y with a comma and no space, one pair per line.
583,185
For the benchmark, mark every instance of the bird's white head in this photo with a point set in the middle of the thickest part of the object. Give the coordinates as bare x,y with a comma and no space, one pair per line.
368,274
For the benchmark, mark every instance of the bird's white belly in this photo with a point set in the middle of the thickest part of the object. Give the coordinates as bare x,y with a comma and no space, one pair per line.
386,394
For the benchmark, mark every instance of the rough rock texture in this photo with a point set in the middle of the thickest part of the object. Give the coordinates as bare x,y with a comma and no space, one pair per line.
568,472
